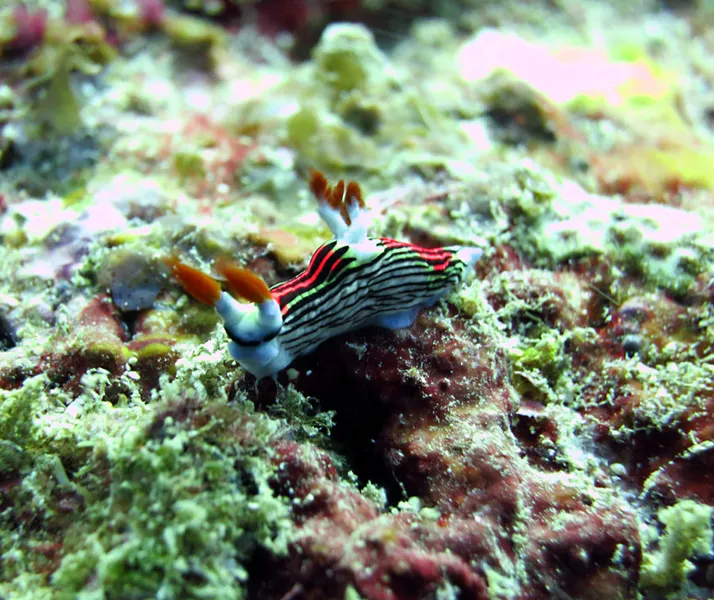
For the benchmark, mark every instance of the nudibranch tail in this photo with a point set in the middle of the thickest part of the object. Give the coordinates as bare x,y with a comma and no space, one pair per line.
200,286
243,283
470,255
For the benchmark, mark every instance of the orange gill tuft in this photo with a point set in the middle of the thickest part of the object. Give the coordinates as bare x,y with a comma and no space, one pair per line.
354,193
337,197
319,186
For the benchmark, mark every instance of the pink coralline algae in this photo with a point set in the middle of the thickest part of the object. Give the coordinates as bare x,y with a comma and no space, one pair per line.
302,18
655,418
102,340
347,542
151,11
78,12
444,420
30,27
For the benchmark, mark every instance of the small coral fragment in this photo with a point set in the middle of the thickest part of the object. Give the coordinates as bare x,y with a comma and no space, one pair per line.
688,534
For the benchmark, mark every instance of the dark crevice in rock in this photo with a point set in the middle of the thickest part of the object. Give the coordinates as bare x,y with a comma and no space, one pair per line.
8,335
360,417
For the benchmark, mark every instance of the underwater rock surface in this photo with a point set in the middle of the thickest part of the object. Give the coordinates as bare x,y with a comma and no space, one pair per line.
546,431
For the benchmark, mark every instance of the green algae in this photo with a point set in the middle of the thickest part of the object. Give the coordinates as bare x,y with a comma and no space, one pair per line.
18,409
351,594
156,349
553,222
348,61
50,145
192,32
106,353
55,108
189,165
686,166
177,523
302,417
327,142
198,319
544,355
171,499
357,110
668,392
687,533
58,111
152,359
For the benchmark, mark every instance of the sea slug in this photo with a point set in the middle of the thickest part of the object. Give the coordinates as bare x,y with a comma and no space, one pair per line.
352,281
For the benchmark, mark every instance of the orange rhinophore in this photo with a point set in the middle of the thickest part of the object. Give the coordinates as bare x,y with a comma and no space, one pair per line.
199,285
243,283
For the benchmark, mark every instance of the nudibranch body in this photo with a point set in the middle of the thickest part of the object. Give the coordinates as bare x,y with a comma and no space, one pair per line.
351,282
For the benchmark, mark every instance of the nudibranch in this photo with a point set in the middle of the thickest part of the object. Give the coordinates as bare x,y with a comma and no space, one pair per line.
351,281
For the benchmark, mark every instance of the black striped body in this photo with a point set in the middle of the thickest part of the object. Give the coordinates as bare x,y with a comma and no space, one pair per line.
348,286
